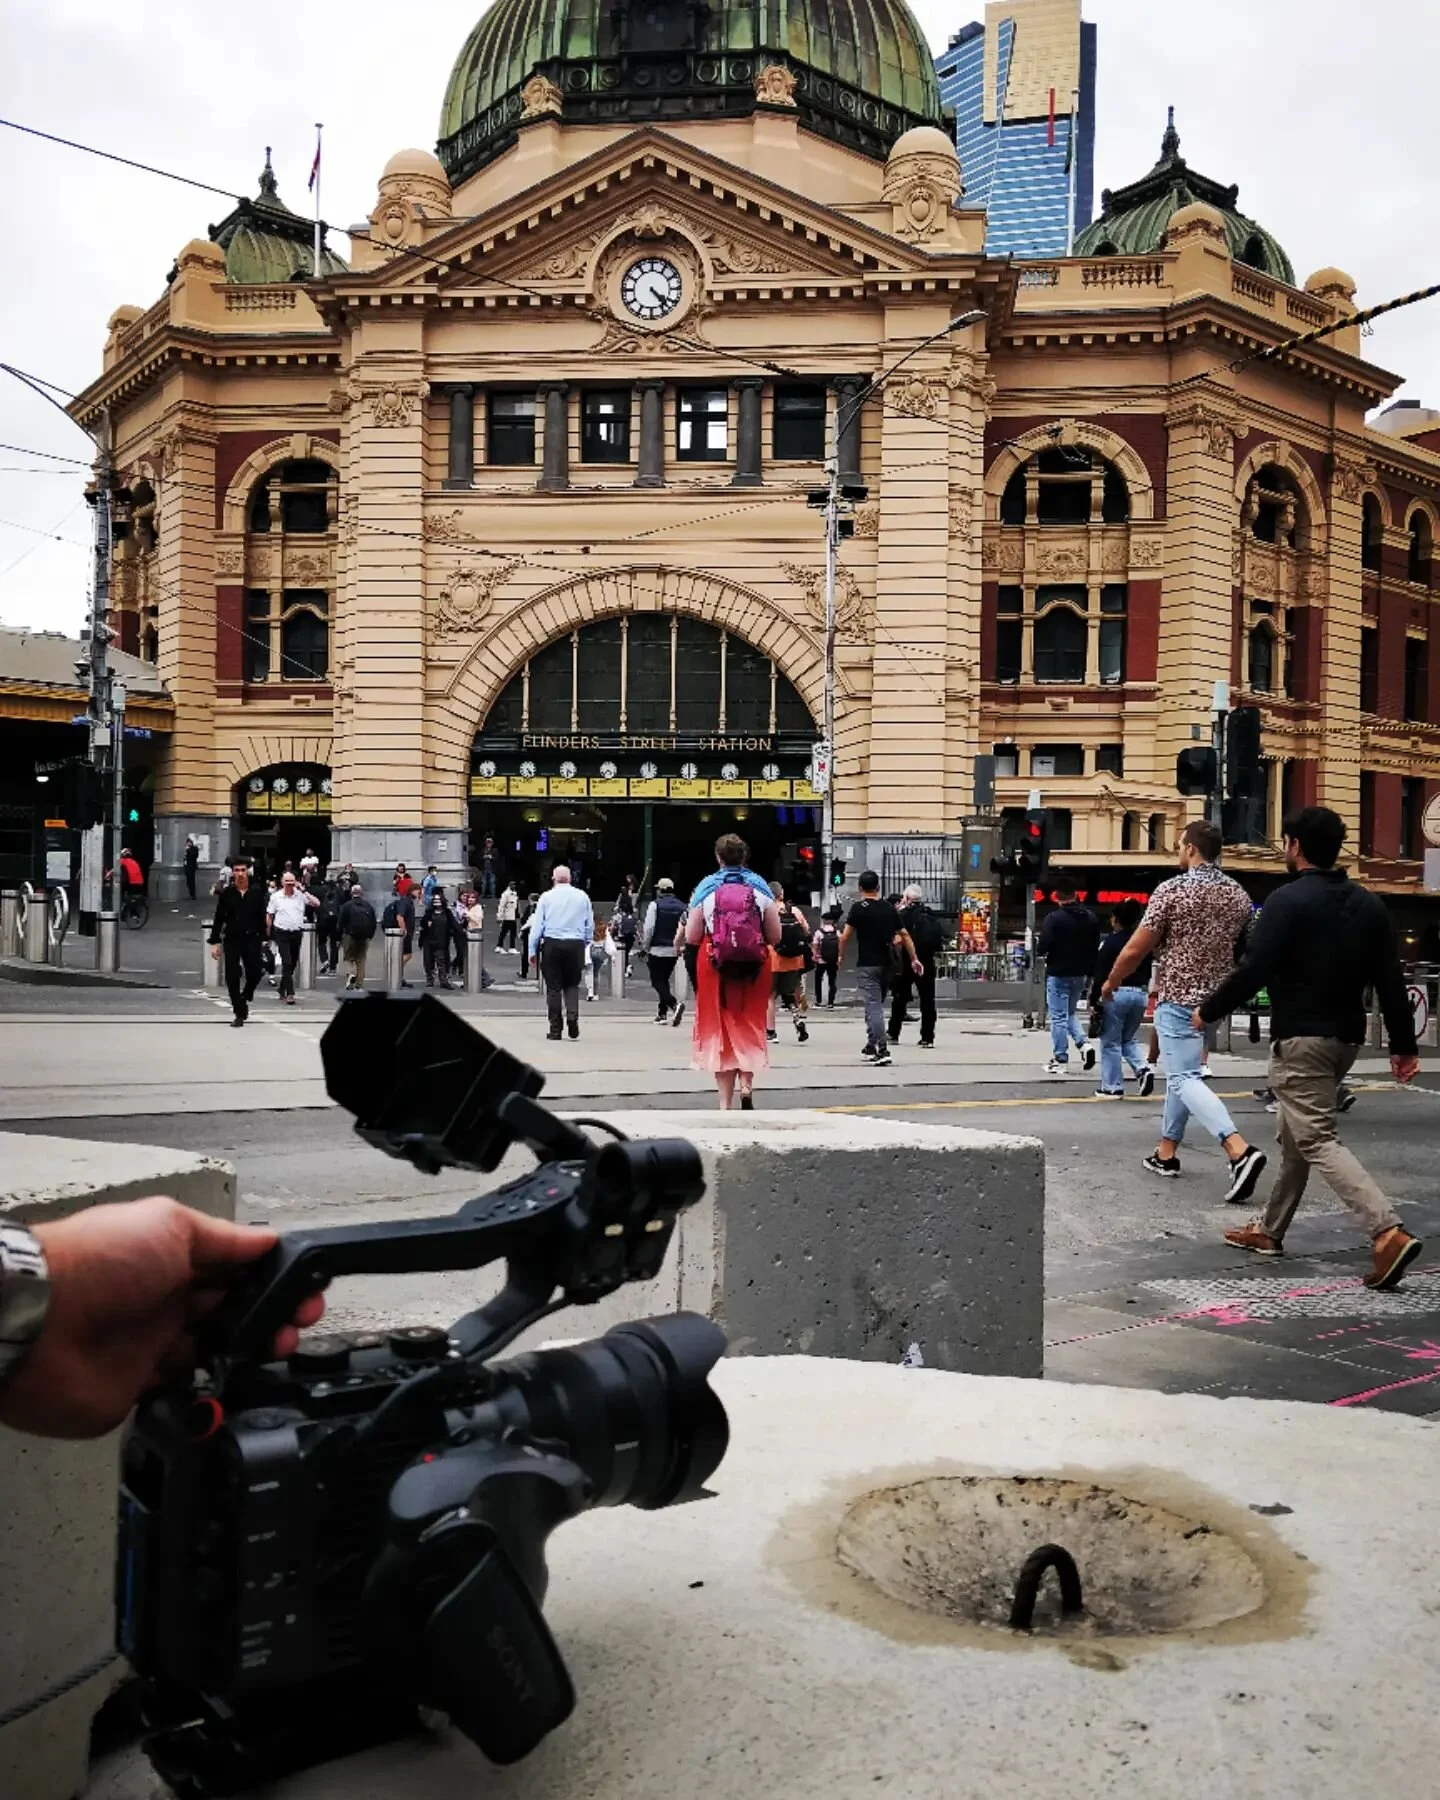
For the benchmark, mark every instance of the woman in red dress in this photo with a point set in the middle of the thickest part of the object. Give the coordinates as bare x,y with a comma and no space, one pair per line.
732,997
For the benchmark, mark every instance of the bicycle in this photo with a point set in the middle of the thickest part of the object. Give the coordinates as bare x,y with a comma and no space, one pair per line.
135,912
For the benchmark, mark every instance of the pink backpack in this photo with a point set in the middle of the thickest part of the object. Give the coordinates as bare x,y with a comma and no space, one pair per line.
735,935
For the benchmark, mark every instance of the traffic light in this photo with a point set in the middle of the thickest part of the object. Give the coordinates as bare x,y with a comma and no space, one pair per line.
1244,772
1035,844
85,796
1197,770
133,816
837,871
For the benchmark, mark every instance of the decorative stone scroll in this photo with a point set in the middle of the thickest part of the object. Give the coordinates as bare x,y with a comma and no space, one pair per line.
1005,556
1352,479
918,396
775,86
467,596
867,519
1217,431
854,614
445,528
392,404
540,97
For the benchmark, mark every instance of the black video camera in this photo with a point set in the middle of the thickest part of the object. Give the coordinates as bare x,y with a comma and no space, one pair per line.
316,1551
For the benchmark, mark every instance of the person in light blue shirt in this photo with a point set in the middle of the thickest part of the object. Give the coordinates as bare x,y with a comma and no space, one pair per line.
560,932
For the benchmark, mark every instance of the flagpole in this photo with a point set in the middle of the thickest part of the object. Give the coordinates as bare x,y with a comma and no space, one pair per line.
315,184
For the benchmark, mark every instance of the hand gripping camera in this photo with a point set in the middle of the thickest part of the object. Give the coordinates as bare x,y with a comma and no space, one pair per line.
316,1550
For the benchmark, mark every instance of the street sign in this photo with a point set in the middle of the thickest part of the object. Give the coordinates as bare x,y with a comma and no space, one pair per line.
820,755
1419,1010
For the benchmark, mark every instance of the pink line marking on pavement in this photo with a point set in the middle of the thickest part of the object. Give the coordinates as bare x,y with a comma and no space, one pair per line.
1389,1388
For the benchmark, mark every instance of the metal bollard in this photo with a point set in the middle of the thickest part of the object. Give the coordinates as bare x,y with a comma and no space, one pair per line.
305,962
474,960
37,927
394,959
617,977
10,922
107,943
212,968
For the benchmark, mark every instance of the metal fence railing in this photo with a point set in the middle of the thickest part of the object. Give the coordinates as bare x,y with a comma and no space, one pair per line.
938,871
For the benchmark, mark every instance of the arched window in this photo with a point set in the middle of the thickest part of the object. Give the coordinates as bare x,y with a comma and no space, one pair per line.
1422,545
647,675
287,629
1260,661
305,637
144,524
1253,255
1274,510
1372,532
1060,636
1076,487
1012,501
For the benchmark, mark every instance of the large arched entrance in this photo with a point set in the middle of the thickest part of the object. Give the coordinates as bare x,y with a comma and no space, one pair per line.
284,813
628,744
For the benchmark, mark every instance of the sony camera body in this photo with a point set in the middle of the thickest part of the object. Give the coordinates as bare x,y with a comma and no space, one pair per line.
316,1552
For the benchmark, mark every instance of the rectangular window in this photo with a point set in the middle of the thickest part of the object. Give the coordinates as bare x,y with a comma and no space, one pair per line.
1061,827
1417,678
1110,759
605,426
701,424
305,647
747,687
1370,671
1057,759
1129,830
510,429
597,677
1412,800
1009,601
257,635
697,676
798,434
647,676
1367,812
1007,759
1009,638
1114,603
552,685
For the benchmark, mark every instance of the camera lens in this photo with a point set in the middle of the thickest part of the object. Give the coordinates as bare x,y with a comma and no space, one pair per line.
634,1408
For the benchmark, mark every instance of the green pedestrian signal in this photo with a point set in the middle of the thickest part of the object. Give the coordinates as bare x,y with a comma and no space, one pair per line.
133,815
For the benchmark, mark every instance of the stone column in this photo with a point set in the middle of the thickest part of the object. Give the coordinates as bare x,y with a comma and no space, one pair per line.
461,470
189,796
848,389
652,434
1340,623
555,465
747,437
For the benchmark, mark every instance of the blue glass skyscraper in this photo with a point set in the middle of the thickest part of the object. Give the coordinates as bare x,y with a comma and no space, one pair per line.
1013,82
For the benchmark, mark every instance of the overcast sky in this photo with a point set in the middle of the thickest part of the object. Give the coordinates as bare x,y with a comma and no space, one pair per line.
1323,112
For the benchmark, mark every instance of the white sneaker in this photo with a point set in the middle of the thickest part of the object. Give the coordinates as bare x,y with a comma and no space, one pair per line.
1087,1057
1056,1068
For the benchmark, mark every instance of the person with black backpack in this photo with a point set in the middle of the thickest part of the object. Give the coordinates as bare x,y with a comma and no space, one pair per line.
659,939
356,923
789,961
825,950
927,934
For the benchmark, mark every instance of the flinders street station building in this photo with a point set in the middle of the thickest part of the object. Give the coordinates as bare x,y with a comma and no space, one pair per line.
500,526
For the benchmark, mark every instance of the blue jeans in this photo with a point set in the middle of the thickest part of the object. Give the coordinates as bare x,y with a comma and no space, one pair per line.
1118,1042
1063,994
1182,1049
871,984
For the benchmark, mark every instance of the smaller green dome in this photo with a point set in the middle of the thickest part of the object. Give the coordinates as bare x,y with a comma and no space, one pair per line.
264,241
1133,220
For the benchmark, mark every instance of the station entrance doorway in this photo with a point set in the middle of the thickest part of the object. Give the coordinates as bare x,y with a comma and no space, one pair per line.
628,746
283,812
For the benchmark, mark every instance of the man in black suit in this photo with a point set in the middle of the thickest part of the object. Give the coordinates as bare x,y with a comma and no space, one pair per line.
239,929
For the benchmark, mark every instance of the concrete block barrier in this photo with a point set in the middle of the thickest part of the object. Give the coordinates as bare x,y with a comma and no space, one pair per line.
57,1548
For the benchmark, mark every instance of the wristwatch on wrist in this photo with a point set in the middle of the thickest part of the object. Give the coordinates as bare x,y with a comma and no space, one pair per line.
24,1295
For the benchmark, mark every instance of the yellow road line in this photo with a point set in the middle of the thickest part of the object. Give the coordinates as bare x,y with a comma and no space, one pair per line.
1047,1100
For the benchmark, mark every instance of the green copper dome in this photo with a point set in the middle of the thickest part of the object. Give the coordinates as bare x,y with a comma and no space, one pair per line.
264,241
863,70
1133,220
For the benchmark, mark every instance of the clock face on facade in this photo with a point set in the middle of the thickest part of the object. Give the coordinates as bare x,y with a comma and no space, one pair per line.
651,288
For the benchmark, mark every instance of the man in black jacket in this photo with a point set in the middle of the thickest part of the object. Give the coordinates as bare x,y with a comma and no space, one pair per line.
1069,939
1318,944
239,927
928,936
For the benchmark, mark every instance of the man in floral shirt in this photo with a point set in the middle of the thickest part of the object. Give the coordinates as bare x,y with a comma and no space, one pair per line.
1192,928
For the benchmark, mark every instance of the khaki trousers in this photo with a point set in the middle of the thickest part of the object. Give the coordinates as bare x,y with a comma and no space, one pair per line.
1304,1073
356,950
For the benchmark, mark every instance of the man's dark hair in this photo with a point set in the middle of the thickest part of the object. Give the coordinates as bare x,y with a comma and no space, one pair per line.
238,862
1128,914
732,850
1064,888
1319,833
1203,836
869,882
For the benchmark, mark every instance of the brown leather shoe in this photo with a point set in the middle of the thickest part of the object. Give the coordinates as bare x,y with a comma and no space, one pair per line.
1395,1250
1251,1237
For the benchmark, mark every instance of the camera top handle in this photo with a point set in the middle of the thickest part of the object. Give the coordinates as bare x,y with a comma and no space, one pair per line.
425,1086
